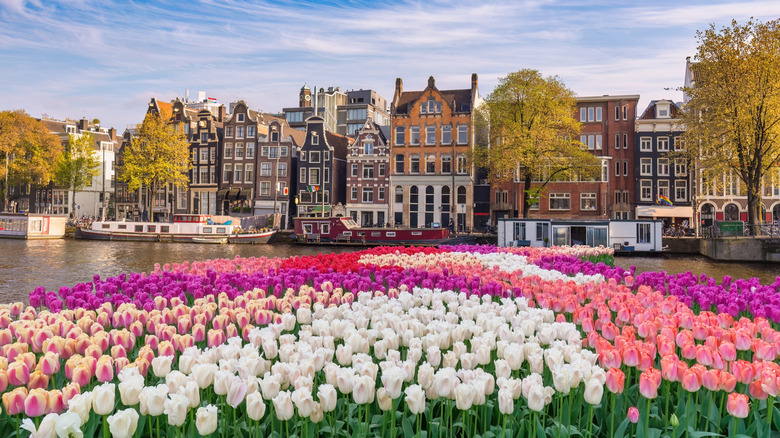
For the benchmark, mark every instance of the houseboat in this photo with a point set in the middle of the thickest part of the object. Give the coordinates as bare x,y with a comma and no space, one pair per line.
192,228
643,235
32,226
345,231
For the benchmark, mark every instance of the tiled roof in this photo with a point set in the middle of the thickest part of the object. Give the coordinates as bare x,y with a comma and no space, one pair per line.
460,97
339,143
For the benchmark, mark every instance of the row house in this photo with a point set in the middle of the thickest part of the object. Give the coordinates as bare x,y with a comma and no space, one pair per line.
95,199
322,165
725,197
238,159
204,132
277,170
432,136
607,131
662,179
368,176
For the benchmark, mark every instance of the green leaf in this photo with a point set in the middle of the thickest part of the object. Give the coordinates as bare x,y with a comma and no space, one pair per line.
621,430
407,427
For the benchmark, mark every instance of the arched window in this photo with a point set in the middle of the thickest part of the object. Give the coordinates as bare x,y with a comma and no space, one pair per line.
707,215
399,195
461,195
731,212
429,198
414,198
776,213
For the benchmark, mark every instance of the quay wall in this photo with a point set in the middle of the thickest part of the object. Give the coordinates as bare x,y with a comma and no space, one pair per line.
742,249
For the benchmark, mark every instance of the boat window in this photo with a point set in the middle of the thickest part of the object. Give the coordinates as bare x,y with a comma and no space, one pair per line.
325,228
416,233
139,228
151,228
307,229
221,230
122,227
35,225
390,234
106,226
376,234
165,229
206,229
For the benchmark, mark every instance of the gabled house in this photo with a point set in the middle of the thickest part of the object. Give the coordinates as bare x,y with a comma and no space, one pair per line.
663,188
432,136
321,170
368,176
277,170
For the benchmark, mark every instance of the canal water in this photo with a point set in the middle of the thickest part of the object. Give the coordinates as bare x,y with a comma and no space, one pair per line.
25,265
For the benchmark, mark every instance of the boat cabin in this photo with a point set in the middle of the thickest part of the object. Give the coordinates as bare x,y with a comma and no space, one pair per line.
32,226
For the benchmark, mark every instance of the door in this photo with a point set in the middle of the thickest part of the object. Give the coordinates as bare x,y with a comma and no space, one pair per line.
560,236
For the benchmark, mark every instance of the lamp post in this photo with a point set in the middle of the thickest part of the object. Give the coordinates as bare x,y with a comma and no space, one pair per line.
5,188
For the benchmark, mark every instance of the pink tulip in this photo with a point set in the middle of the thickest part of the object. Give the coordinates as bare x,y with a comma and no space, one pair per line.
738,405
633,414
36,403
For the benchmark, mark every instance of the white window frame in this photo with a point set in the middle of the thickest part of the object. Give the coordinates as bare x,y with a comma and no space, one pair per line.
645,144
663,144
681,185
646,189
646,166
663,167
562,197
585,198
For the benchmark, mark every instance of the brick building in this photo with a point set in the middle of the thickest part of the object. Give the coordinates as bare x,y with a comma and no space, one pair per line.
368,176
277,170
431,137
322,167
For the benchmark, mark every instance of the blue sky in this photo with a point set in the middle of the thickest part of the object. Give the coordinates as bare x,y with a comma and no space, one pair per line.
106,59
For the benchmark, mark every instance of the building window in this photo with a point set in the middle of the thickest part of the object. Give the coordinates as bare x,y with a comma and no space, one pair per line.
414,166
617,141
314,157
430,163
315,139
264,151
463,134
542,232
265,188
680,167
265,169
681,190
399,135
239,151
302,176
625,168
368,147
353,193
588,201
284,151
240,117
617,168
446,134
598,113
204,155
617,112
250,150
590,114
381,195
251,131
663,188
399,163
213,154
646,166
368,171
240,131
249,170
204,175
663,144
354,170
583,117
625,112
643,233
314,176
239,172
430,134
228,131
228,177
414,134
518,231
560,201
462,164
282,170
446,164
399,194
598,142
382,169
368,194
326,175
625,141
645,144
204,137
663,167
228,150
461,195
212,175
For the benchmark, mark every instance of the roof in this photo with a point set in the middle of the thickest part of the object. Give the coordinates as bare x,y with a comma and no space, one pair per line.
409,97
607,97
339,143
649,112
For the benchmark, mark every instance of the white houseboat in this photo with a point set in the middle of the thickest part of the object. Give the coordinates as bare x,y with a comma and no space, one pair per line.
32,226
622,235
194,228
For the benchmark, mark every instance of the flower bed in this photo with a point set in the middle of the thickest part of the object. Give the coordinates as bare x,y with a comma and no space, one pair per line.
455,341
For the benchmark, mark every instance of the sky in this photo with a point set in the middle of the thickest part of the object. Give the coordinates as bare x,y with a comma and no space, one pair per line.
106,59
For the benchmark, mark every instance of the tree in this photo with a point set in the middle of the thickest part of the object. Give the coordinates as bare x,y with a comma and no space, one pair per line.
28,151
157,155
532,134
732,117
76,168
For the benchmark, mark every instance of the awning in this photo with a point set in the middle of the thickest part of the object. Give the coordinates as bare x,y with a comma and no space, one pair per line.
232,194
664,211
222,193
243,195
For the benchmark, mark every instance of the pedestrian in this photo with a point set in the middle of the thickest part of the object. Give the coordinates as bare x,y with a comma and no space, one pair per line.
451,226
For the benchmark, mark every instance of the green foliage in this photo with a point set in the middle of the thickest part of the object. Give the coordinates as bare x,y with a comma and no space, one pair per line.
76,168
733,114
532,134
157,156
607,259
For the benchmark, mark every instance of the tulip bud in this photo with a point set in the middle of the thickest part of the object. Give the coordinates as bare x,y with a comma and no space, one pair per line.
206,420
104,396
123,423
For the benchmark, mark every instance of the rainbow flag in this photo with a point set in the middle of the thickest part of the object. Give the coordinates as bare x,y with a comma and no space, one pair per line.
664,200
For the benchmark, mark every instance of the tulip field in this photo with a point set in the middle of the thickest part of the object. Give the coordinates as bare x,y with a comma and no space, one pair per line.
456,341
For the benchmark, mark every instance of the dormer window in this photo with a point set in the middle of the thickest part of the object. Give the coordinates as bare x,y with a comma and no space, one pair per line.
241,117
274,136
662,111
368,147
315,139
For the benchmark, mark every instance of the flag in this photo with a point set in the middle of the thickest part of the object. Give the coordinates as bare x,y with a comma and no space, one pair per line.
312,188
664,200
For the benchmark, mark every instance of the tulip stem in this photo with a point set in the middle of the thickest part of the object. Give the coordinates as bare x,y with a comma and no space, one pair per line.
612,416
590,420
770,408
106,434
368,422
418,425
503,430
647,419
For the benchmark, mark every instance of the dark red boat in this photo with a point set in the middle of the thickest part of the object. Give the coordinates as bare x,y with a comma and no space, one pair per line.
344,230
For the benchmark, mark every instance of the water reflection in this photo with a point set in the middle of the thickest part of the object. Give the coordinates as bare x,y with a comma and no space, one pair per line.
675,264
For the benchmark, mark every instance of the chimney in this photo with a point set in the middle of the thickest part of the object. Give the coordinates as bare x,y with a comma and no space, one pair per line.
473,81
112,134
431,82
222,111
83,124
399,86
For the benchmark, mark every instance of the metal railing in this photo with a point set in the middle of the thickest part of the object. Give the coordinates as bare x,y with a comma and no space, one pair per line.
770,230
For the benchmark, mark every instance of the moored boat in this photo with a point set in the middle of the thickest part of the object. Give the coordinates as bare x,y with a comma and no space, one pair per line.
32,226
192,228
345,231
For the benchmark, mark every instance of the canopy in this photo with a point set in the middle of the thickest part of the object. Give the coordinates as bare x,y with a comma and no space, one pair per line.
664,211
